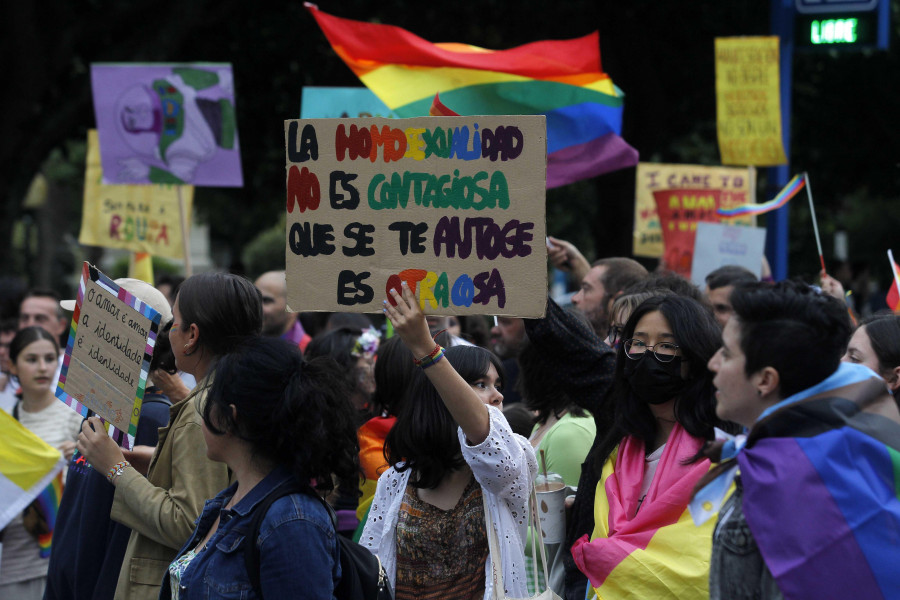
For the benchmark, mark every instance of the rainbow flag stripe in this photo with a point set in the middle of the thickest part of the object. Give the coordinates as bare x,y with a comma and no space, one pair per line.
561,79
822,489
790,190
48,503
847,522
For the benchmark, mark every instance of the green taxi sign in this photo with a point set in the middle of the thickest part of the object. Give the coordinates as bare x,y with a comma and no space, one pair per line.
841,25
833,31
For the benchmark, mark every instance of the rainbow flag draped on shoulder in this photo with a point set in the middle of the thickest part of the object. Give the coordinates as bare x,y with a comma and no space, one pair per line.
29,469
561,79
821,478
822,490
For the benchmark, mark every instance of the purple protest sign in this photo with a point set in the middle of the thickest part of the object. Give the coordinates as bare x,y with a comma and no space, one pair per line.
167,123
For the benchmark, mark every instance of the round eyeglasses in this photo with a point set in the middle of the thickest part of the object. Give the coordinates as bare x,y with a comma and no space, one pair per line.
663,351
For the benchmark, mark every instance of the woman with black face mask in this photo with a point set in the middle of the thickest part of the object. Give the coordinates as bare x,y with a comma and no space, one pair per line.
644,543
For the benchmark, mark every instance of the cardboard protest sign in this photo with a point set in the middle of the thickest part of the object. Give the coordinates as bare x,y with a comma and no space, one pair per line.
167,123
341,103
717,245
139,218
748,101
454,206
111,342
734,186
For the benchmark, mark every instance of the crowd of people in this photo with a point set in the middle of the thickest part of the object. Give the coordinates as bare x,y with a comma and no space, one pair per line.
711,440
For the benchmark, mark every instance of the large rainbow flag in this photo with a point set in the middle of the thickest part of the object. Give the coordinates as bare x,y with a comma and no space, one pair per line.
29,468
561,79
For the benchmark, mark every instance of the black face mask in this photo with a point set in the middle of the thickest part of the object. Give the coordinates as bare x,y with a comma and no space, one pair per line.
652,381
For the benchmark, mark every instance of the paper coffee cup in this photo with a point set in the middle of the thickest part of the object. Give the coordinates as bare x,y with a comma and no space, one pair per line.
551,507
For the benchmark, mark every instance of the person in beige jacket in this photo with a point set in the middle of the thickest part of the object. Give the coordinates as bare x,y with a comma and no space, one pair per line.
213,312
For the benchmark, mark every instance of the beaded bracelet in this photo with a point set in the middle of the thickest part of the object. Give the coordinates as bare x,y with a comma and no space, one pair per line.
429,358
117,469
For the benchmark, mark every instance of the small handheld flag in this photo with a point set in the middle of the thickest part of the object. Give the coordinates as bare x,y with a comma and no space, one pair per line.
893,296
790,190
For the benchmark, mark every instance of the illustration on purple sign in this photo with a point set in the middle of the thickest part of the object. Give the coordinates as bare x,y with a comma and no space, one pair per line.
167,123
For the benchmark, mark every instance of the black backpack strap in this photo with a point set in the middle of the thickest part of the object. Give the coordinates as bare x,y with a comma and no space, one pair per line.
251,547
362,575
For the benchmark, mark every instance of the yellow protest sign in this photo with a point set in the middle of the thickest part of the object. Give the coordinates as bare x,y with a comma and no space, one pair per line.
453,206
140,218
727,186
748,103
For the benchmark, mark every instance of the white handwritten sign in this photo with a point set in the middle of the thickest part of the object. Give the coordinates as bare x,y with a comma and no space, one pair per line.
107,359
719,245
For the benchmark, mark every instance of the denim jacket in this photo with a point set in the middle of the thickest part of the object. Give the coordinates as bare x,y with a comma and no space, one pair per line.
298,549
737,570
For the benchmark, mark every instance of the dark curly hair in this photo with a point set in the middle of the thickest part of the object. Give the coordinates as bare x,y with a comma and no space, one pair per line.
424,438
292,411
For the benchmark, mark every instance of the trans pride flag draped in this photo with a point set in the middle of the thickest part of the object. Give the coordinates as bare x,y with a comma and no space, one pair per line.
650,547
29,469
560,79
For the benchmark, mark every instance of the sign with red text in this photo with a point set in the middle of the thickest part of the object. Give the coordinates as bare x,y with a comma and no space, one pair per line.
111,342
453,206
139,218
730,185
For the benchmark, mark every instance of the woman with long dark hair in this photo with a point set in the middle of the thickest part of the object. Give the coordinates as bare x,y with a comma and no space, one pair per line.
664,406
280,423
452,454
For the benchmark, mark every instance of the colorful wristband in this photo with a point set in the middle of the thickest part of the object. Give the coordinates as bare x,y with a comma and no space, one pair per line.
117,469
428,358
435,359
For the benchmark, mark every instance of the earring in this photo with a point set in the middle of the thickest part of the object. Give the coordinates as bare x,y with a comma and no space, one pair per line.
759,393
186,353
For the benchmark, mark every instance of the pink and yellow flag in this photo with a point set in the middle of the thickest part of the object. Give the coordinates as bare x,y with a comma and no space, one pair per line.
648,547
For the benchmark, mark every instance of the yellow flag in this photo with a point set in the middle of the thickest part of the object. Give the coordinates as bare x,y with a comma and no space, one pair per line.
27,466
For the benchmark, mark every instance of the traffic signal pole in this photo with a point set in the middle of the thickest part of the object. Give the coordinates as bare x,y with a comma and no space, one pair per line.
782,25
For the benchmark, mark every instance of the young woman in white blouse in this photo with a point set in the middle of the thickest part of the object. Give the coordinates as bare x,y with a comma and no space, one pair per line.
452,452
